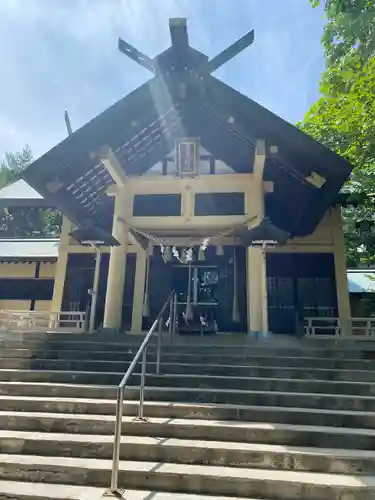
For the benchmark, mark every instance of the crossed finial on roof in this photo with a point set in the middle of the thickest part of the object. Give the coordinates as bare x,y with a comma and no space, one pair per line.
181,54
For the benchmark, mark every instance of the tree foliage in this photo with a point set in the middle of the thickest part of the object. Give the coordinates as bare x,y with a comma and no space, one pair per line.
21,222
350,28
29,222
13,164
344,117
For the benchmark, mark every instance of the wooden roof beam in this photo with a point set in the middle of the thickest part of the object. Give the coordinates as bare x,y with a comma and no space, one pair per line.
231,51
112,165
136,56
136,238
141,241
179,33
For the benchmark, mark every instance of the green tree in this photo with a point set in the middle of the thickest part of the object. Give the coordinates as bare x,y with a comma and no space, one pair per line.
13,164
350,28
344,117
17,222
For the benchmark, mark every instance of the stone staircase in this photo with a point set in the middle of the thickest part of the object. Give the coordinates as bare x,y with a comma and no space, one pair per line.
228,418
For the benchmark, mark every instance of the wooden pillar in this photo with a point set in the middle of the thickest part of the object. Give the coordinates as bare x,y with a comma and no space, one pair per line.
257,302
256,289
139,290
117,262
61,266
342,287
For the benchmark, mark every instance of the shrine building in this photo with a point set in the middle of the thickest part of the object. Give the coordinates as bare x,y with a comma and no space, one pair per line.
187,184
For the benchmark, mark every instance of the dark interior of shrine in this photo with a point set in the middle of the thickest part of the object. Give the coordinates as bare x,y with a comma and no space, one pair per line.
299,285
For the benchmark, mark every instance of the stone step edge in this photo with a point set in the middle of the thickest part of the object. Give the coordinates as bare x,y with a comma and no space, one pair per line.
205,390
191,376
137,340
195,423
349,371
198,406
159,442
363,482
46,491
152,355
292,368
315,350
21,490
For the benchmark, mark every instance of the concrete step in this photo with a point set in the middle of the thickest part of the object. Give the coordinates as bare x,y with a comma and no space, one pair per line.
197,381
12,490
191,452
79,360
192,347
113,378
227,339
268,372
280,414
19,490
246,426
204,394
162,495
192,428
118,367
214,480
211,381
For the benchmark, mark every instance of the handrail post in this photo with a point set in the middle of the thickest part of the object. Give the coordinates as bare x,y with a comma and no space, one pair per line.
174,314
171,318
158,353
142,387
117,441
142,351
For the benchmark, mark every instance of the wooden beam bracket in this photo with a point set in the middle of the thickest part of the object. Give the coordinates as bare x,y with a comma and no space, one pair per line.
111,164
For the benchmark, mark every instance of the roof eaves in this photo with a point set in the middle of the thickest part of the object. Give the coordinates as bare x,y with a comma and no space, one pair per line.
82,140
282,130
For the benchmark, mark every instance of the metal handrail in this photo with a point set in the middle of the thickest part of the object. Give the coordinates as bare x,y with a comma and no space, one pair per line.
142,351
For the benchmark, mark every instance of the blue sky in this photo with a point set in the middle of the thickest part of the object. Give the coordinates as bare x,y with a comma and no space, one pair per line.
62,54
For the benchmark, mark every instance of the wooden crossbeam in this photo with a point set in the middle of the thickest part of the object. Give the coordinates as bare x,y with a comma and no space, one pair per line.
231,51
136,56
141,240
112,165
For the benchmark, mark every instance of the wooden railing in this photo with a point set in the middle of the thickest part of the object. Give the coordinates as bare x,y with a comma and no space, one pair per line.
70,321
363,328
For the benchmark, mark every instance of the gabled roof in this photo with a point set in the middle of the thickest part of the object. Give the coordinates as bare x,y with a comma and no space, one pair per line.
20,193
29,250
361,280
183,99
19,190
